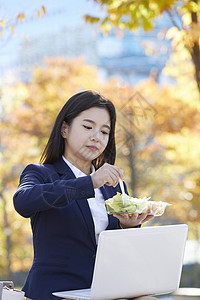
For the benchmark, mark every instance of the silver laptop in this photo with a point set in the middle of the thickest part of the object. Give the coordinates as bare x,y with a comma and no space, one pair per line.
135,262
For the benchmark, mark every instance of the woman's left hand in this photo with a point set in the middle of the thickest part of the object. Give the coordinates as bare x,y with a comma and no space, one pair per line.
132,220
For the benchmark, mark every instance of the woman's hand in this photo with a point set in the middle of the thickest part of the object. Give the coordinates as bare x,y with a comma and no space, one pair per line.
132,220
107,174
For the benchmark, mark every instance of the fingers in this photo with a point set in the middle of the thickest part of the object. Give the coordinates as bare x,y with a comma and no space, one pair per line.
113,175
132,220
149,217
112,179
107,174
141,218
120,173
121,218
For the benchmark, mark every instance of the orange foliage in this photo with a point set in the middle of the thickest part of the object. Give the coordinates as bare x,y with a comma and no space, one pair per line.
157,127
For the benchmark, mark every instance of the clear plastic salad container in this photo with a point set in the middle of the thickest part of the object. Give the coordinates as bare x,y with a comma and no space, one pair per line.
120,205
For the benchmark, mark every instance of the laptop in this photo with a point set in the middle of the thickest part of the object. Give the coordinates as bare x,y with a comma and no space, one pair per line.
135,262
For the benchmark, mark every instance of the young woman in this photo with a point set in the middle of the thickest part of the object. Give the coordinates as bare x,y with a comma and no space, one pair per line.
64,196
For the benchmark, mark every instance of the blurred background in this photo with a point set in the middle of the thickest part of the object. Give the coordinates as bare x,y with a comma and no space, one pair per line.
142,55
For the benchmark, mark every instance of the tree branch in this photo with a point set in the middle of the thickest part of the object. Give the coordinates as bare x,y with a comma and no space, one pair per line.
172,19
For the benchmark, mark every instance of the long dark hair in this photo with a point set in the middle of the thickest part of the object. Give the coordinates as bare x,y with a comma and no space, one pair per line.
72,108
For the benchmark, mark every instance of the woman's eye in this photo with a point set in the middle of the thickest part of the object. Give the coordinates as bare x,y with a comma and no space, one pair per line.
104,132
87,127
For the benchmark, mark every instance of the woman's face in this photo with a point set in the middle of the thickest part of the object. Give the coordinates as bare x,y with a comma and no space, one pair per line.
87,137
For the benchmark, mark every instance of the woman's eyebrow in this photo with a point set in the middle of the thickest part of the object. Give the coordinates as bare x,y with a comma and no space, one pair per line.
91,121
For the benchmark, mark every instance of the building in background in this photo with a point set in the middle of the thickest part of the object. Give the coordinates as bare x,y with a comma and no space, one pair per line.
129,55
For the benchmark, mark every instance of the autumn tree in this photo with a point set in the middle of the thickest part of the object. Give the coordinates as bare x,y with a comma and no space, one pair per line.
158,146
8,23
153,127
28,112
131,15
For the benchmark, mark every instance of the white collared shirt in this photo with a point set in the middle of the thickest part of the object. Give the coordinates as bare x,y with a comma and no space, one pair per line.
96,204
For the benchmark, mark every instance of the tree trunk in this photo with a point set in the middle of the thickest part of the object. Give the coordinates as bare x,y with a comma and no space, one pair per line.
130,138
7,232
195,51
131,158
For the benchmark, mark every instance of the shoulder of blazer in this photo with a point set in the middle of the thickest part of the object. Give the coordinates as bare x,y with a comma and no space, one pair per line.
49,171
41,171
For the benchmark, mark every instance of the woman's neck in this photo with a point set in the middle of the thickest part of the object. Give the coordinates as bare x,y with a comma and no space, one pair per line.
84,166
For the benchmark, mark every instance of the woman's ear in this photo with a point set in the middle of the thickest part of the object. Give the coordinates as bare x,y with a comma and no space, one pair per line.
64,130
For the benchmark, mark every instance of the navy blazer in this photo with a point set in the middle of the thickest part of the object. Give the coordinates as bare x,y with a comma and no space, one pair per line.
63,229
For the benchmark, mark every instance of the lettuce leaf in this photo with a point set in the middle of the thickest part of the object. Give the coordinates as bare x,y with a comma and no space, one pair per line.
120,205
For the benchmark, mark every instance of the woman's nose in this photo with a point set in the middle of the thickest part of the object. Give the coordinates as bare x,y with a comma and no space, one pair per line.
95,136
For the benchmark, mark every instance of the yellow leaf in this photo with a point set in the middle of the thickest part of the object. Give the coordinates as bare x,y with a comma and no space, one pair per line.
12,29
44,10
38,14
90,19
171,32
21,17
3,23
106,27
187,20
24,37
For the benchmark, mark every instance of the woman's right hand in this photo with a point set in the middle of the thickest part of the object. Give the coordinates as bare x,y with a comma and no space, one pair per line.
107,174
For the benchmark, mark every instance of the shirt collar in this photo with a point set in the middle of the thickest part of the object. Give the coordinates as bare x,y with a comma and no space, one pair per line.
75,170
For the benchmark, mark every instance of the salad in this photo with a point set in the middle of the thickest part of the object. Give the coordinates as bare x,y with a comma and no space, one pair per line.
120,205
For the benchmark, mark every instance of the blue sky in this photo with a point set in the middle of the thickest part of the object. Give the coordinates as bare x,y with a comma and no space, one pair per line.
68,11
60,14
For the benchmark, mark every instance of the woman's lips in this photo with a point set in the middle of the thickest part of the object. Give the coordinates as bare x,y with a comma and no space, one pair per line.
93,148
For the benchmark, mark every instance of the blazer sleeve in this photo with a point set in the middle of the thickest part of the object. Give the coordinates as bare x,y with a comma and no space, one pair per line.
34,194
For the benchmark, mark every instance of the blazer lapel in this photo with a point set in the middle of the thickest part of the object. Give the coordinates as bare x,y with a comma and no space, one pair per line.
65,172
86,213
104,192
108,193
